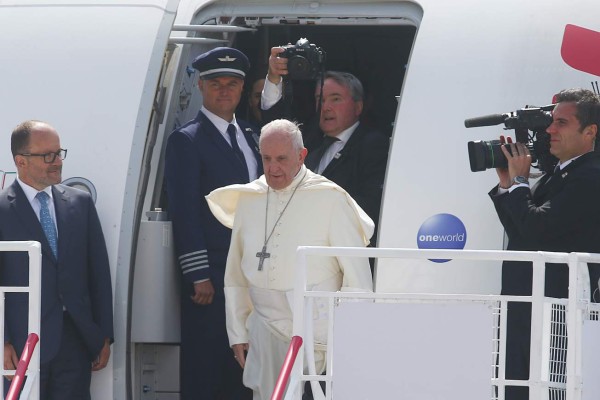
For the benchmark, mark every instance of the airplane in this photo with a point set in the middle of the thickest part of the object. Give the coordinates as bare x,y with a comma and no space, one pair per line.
114,77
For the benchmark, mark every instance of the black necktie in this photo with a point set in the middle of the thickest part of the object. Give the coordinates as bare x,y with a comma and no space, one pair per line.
542,185
232,131
313,162
554,172
328,141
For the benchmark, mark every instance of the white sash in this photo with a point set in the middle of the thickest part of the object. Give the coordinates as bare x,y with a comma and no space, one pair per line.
274,307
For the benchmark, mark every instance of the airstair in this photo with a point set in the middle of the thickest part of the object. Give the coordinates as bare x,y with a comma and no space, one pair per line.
446,346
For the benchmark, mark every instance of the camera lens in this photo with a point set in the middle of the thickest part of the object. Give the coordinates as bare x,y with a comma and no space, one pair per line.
299,67
486,154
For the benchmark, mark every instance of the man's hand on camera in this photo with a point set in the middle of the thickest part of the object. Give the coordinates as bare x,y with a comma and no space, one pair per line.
277,65
519,162
503,174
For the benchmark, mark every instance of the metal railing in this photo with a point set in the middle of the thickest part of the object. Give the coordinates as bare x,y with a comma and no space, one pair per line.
17,382
4,175
539,383
31,389
286,369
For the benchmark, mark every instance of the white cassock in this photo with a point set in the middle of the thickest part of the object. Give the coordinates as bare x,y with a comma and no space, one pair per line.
258,310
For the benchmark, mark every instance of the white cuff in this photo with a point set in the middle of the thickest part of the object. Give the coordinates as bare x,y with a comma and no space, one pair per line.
271,94
513,187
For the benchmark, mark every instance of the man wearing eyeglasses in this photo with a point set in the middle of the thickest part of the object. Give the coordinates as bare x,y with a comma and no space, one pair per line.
76,317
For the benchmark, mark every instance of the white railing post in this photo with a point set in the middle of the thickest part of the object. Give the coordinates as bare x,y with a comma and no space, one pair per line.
35,313
537,322
574,315
31,389
502,350
298,321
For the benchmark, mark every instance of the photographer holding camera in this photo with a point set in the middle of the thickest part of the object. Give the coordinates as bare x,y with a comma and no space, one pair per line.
560,213
347,152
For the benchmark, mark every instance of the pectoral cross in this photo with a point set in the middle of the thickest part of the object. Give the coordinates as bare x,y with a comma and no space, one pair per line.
262,255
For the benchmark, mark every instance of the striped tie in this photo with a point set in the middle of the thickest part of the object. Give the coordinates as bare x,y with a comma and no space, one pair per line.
46,220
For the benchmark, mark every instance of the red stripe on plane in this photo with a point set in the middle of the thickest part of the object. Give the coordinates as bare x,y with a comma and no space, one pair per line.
581,49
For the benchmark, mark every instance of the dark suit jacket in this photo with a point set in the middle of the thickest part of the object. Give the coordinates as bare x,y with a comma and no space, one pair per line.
360,169
199,160
562,215
79,280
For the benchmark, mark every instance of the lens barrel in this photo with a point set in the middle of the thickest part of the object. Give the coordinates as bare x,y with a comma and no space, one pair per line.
486,154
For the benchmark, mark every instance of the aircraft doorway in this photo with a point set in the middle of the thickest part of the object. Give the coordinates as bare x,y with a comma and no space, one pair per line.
375,47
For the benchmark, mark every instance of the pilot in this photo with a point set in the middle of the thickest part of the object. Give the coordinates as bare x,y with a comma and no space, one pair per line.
214,149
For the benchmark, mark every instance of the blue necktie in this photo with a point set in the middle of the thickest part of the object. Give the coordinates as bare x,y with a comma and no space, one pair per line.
46,220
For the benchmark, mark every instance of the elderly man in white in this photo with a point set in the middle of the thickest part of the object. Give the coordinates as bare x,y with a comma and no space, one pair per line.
287,207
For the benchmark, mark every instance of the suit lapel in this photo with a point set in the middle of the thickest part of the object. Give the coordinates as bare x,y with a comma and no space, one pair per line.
252,139
550,184
540,187
29,220
62,208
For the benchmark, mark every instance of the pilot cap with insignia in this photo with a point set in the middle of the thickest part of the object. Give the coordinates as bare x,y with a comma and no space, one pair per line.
222,61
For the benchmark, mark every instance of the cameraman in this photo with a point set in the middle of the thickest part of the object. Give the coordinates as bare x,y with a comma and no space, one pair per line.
560,213
347,152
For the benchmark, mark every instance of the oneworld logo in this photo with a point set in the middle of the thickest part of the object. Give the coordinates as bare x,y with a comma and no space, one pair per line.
442,231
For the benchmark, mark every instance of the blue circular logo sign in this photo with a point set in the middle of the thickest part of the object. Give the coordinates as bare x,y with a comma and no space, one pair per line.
442,231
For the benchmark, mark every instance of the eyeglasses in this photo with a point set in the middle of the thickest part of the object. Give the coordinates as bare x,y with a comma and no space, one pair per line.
49,158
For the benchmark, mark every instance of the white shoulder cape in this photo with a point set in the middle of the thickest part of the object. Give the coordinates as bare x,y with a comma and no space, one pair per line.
223,201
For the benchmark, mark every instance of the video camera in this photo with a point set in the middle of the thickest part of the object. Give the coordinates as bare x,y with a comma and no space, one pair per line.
488,154
305,60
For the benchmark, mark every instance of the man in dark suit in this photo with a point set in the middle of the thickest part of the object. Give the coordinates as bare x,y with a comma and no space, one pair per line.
76,317
349,153
560,213
211,151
